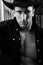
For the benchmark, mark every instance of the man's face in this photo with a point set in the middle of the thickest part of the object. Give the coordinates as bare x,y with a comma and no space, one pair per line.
24,16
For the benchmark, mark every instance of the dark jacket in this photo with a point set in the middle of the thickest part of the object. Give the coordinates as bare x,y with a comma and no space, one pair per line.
11,46
10,43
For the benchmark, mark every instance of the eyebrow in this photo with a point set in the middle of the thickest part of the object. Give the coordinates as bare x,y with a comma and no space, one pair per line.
26,10
19,11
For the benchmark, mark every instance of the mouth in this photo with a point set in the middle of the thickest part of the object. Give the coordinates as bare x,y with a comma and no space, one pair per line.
24,25
25,22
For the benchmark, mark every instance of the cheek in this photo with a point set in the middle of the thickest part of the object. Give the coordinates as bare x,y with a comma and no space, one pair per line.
31,14
29,21
18,16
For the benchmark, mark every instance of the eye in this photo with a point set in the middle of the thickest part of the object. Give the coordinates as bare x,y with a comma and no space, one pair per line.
27,11
19,12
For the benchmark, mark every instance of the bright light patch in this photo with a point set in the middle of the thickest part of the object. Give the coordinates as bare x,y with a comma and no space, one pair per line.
32,10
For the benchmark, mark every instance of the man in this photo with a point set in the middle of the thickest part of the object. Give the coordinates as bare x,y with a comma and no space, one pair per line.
21,34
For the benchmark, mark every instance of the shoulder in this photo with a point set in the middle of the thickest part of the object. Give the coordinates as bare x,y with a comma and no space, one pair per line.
3,23
38,28
39,31
6,23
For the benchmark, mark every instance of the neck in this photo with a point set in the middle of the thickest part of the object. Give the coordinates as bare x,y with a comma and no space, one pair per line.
32,30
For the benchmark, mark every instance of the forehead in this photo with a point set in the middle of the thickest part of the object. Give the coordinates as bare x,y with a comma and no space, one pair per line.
30,8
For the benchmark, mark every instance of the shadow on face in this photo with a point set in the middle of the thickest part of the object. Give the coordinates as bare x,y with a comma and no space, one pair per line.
24,16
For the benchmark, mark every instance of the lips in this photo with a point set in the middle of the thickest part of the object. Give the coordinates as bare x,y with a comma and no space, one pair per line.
25,24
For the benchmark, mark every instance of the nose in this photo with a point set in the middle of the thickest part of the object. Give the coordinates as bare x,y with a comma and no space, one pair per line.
24,19
23,16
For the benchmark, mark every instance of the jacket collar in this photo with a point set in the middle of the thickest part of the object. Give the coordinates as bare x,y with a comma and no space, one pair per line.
16,25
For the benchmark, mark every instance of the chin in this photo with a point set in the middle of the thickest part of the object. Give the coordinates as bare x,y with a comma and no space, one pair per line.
22,26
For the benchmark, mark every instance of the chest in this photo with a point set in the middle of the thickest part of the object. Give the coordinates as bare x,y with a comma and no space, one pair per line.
28,37
28,44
